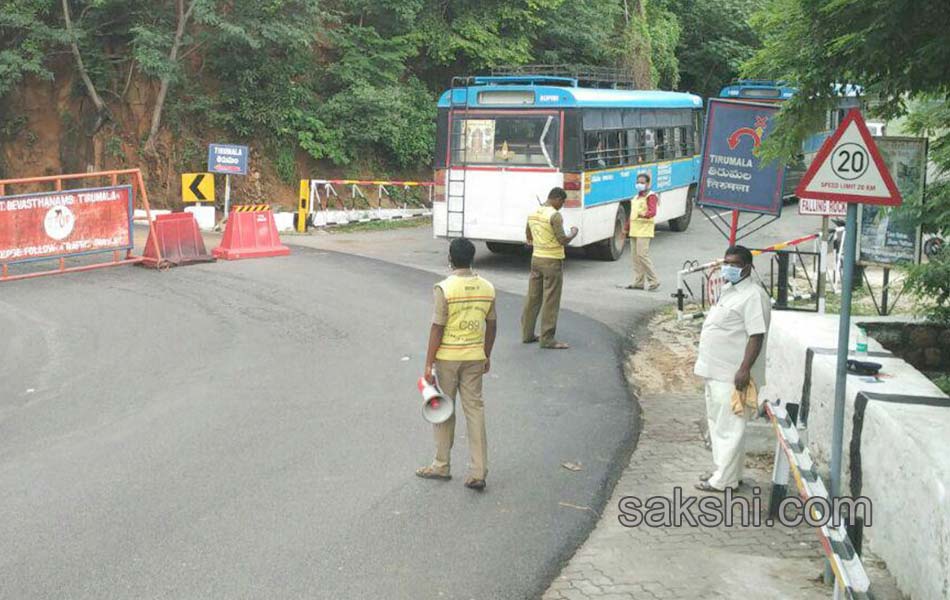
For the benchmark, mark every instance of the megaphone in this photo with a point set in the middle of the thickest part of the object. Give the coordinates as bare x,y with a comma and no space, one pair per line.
436,406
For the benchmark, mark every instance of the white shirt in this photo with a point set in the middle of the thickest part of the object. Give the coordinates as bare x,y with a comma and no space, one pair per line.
743,310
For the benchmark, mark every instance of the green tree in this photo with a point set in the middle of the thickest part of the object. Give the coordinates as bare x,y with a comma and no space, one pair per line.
716,39
28,31
898,50
583,32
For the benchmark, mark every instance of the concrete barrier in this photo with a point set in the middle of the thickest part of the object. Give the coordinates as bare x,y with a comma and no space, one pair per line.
204,216
895,443
284,221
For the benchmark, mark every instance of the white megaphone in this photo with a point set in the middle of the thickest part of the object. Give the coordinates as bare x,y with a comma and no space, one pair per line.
436,406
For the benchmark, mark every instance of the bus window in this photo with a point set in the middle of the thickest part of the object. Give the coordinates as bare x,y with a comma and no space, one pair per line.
632,149
661,144
594,150
649,144
506,140
677,142
615,144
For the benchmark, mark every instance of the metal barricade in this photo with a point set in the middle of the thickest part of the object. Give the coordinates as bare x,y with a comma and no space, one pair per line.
321,204
132,178
781,288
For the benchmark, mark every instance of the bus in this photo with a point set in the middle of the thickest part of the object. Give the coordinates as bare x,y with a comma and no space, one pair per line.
766,90
503,141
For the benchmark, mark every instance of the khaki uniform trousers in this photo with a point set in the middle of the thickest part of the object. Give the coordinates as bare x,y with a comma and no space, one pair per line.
644,275
465,378
544,297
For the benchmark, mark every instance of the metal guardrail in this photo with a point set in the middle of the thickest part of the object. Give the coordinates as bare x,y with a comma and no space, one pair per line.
792,456
318,195
712,281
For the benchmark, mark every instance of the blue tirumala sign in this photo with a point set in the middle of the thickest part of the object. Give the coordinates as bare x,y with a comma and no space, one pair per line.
732,175
227,159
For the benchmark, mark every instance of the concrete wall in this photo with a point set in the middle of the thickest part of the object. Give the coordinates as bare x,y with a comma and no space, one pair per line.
904,451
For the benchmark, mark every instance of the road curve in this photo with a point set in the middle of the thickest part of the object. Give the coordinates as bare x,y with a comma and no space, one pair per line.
249,430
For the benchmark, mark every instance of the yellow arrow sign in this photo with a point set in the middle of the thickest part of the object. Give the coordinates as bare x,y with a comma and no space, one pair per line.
197,187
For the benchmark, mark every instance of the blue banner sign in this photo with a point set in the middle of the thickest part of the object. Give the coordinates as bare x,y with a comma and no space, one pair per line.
732,176
227,159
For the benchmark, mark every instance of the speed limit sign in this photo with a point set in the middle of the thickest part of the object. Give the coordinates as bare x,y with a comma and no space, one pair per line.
848,168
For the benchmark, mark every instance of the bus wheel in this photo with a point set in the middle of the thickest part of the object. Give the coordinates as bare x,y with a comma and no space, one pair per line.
681,223
612,247
503,248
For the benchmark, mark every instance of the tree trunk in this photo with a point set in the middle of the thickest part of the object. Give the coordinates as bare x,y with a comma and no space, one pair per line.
101,112
638,54
183,17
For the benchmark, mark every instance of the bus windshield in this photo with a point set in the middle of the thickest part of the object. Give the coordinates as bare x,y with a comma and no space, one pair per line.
515,140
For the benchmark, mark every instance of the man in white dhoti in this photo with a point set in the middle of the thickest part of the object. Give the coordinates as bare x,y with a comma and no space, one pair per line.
732,356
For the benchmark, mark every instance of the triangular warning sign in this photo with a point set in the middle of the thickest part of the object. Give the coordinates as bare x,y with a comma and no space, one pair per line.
849,168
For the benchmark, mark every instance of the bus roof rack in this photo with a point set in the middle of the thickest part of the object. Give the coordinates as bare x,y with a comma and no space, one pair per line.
762,82
570,75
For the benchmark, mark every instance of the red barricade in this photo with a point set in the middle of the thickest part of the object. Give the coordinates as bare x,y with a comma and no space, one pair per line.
177,241
250,235
83,214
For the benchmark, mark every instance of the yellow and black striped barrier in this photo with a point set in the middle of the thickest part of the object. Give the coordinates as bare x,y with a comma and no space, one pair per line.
250,207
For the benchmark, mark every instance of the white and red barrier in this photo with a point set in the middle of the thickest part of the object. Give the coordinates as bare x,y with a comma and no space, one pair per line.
321,204
712,279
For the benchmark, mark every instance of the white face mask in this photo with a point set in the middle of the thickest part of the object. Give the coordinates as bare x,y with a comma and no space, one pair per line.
641,187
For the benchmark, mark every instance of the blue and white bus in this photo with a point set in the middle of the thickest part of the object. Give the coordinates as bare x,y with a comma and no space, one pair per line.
504,141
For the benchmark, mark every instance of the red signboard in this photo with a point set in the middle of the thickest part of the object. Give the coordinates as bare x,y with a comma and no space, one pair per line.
65,223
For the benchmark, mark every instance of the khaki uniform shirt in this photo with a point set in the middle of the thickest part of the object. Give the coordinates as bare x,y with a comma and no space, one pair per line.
743,310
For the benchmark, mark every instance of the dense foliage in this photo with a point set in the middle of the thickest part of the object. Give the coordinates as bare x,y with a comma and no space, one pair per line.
898,51
352,82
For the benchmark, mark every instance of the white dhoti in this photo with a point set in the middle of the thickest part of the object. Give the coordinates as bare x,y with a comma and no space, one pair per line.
726,434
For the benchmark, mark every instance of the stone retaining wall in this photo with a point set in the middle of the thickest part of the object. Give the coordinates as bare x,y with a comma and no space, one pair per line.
903,463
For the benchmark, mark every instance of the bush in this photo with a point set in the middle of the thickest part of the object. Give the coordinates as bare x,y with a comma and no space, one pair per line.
930,282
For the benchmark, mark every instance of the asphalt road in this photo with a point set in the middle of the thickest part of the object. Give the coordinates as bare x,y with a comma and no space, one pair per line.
591,287
250,429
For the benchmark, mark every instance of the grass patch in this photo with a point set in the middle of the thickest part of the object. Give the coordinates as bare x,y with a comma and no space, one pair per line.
381,225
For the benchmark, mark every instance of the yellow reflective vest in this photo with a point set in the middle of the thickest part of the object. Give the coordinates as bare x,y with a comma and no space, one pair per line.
640,227
546,244
469,300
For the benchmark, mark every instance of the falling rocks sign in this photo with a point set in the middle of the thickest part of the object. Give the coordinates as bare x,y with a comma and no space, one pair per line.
732,175
65,223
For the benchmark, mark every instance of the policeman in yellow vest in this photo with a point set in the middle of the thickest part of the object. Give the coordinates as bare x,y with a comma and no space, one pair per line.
642,213
459,354
545,232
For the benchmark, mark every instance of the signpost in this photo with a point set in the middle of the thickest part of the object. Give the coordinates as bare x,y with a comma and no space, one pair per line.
823,209
732,175
197,187
229,160
848,168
